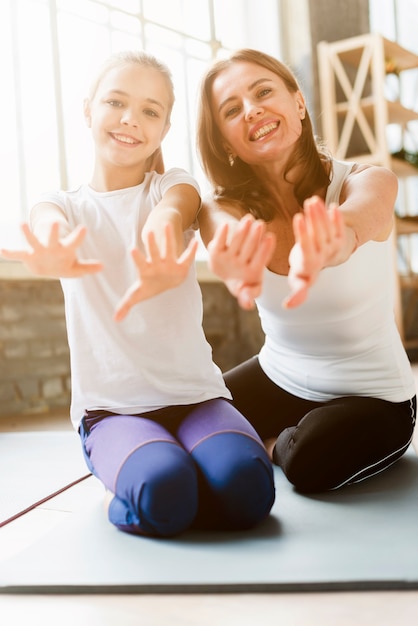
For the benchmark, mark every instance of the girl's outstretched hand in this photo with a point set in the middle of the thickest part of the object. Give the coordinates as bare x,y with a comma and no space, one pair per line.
57,258
240,257
158,271
319,237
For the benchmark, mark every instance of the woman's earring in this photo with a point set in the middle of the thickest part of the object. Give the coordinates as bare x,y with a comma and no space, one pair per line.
231,159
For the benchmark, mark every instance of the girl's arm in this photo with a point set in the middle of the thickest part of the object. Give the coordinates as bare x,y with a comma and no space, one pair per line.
166,261
52,250
178,207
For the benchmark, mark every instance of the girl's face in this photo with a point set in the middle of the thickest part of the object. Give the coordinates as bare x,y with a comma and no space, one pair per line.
259,119
129,115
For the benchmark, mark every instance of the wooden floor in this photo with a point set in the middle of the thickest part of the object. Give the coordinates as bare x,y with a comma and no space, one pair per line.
287,609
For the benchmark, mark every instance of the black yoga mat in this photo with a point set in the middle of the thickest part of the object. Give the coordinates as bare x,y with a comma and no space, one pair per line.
362,537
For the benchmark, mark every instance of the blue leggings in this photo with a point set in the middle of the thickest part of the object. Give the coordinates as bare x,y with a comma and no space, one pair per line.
201,465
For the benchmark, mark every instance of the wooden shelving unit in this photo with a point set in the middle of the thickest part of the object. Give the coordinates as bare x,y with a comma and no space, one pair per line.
356,115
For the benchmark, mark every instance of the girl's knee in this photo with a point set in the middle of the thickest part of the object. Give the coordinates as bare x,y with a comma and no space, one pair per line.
156,491
237,481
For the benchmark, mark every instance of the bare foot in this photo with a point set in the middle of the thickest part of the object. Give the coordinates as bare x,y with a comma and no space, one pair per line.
269,446
108,497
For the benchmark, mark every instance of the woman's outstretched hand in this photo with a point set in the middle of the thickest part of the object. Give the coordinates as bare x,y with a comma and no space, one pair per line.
319,237
57,258
158,271
239,257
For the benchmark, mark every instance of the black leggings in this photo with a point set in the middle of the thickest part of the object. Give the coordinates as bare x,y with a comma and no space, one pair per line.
322,445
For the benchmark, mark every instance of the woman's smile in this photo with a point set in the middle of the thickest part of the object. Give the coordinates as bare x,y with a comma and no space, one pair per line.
263,130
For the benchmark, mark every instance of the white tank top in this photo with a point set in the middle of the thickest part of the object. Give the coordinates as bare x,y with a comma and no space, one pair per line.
343,340
158,356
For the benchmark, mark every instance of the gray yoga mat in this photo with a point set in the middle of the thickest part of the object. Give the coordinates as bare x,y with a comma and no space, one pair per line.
361,537
35,466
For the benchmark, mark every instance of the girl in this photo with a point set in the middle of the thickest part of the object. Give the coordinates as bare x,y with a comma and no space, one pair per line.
151,407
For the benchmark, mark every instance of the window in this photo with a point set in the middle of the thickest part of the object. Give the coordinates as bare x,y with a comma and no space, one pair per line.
51,48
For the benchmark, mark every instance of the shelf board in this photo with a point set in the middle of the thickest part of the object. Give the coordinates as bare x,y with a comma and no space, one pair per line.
397,113
350,51
400,167
406,225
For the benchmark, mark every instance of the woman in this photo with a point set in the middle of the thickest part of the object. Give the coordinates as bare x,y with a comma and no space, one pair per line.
331,391
153,412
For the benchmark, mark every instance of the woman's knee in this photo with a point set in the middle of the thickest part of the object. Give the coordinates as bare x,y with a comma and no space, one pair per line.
346,438
156,491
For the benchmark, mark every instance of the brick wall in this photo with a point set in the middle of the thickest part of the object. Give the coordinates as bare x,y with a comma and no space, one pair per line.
34,356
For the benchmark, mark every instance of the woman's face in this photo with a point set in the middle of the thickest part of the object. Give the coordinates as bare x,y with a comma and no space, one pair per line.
259,119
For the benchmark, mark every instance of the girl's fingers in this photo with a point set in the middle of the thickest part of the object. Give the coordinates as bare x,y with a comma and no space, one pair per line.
53,238
189,254
124,307
170,242
14,255
73,240
139,259
30,237
153,249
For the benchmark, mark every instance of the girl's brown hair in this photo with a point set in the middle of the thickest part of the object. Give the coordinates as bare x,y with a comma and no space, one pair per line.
140,57
239,182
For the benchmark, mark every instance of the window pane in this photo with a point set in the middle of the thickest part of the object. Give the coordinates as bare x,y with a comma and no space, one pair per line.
78,64
47,66
9,152
92,11
187,16
130,6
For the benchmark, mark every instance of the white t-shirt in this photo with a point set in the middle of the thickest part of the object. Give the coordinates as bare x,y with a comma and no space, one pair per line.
343,340
158,355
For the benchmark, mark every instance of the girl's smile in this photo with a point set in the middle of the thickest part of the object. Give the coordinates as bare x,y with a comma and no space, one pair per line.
125,139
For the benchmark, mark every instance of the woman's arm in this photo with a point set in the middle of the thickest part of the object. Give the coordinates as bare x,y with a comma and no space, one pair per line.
239,249
328,236
214,215
367,202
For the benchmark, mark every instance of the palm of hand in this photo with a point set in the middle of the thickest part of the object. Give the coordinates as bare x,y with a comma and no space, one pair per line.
239,258
318,236
57,258
157,272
